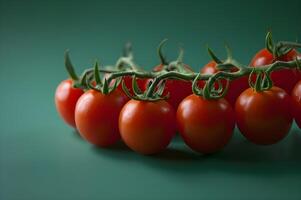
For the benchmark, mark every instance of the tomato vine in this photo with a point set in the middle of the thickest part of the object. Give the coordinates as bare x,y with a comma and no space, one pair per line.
213,88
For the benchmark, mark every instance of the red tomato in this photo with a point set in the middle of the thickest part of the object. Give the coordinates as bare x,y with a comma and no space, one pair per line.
236,87
147,127
284,78
264,117
177,89
66,97
296,97
205,125
96,116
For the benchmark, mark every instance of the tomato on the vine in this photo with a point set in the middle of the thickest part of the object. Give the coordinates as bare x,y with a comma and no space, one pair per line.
147,127
205,125
128,80
96,116
236,87
66,97
177,89
264,117
284,78
296,98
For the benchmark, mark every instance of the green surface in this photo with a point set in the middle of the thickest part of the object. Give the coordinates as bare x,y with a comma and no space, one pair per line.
42,158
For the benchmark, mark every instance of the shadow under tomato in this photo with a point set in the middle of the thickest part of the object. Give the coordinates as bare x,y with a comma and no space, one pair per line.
239,157
117,152
76,134
169,154
118,147
243,151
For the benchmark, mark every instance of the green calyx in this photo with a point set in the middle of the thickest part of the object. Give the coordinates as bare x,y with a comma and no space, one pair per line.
213,56
213,89
78,82
127,60
102,86
140,95
263,80
163,60
178,65
229,64
280,48
298,63
69,67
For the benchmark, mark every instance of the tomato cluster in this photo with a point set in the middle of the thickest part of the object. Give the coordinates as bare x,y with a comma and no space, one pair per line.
206,125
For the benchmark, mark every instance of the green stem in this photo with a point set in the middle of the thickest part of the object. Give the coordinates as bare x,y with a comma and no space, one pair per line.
289,44
243,71
108,71
174,75
211,79
138,74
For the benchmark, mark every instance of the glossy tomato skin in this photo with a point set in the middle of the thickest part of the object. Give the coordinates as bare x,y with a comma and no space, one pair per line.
296,98
284,78
177,89
96,116
147,127
66,97
206,126
264,117
236,87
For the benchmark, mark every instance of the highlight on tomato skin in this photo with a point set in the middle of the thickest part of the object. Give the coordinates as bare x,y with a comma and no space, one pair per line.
147,127
236,87
96,116
283,78
206,126
66,97
296,98
264,117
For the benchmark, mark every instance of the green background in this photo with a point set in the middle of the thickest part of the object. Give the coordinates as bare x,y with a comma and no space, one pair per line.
42,158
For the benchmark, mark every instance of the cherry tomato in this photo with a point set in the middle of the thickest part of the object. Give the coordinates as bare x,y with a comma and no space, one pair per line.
284,78
66,97
236,87
96,116
177,89
296,97
205,125
147,127
263,117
